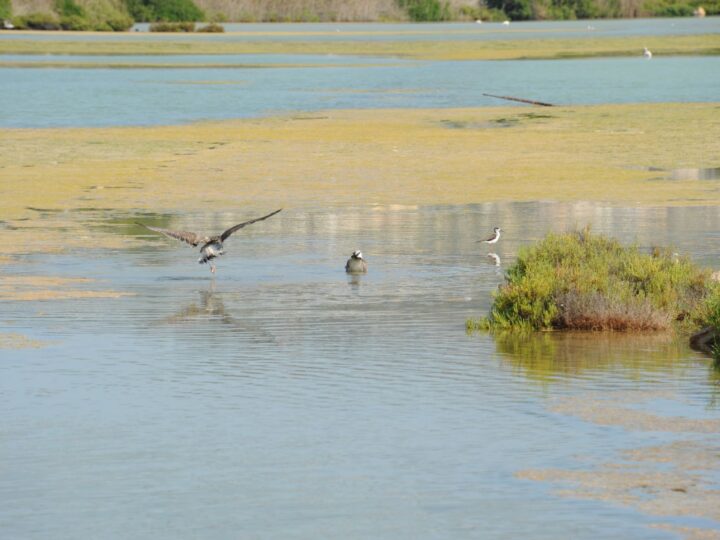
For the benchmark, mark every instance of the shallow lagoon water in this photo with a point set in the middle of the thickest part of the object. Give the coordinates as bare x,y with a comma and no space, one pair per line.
286,399
64,97
283,399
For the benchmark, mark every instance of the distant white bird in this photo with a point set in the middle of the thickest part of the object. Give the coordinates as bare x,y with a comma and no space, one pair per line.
646,53
478,21
494,238
212,246
506,23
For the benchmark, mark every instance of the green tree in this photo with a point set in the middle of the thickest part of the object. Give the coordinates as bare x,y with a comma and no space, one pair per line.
5,9
517,10
426,10
164,10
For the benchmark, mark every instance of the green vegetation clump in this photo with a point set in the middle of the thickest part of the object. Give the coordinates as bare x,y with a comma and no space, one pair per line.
98,15
212,28
164,10
37,21
5,9
426,10
581,281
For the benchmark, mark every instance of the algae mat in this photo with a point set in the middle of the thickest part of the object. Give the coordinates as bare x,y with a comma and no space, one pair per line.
52,179
706,44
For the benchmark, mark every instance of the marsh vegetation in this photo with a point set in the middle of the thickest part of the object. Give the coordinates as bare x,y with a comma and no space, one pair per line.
583,281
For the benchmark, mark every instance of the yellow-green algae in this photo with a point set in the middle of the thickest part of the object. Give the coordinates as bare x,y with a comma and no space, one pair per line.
37,288
353,157
705,44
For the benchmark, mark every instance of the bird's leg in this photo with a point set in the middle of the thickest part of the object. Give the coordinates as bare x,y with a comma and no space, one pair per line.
212,268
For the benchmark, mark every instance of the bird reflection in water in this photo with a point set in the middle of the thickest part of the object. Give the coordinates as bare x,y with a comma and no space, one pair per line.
494,259
355,280
211,307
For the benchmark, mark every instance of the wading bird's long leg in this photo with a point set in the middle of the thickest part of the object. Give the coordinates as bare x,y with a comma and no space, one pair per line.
212,268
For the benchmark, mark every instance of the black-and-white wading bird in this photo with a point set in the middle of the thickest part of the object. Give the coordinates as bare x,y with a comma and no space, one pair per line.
494,238
356,264
212,246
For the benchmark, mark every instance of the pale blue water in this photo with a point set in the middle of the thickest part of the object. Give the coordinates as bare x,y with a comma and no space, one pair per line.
283,399
106,97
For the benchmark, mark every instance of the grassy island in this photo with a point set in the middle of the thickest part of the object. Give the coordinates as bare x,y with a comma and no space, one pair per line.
582,281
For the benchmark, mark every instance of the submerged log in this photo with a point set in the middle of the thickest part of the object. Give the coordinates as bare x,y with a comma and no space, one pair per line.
522,100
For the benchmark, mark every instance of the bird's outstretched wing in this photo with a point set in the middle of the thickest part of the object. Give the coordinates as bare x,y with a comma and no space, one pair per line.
184,236
231,230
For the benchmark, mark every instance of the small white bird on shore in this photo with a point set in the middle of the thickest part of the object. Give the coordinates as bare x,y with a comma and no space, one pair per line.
646,53
506,23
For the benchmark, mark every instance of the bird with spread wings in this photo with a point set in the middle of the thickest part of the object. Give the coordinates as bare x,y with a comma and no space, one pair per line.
212,246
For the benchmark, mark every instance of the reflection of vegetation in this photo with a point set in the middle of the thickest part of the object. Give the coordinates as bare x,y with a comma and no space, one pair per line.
547,355
580,281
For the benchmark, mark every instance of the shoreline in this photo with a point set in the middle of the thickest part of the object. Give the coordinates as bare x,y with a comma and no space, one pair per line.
509,49
610,154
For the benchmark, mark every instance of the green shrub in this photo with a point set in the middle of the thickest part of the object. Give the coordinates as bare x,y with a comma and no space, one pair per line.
164,10
517,10
580,281
68,8
5,9
37,21
119,23
212,28
172,27
664,8
426,10
75,23
482,13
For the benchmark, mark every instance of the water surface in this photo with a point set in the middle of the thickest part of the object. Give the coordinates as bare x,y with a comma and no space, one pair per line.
285,399
63,97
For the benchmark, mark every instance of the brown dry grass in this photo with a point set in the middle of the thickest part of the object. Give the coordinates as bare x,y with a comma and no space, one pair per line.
598,312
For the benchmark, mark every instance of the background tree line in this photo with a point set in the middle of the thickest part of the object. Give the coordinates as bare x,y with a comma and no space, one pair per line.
121,14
